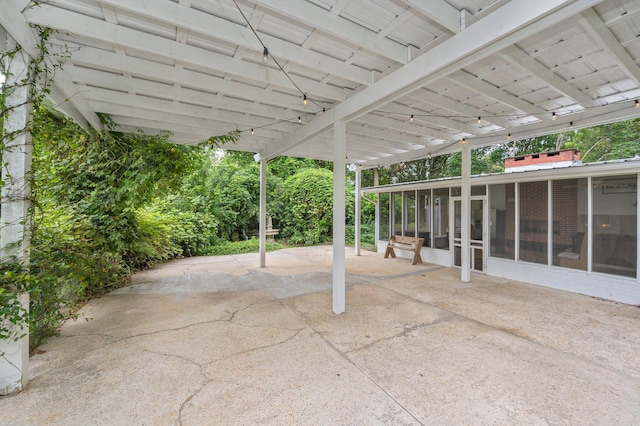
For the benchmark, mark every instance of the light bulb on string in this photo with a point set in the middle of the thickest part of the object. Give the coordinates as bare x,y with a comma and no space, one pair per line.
411,118
553,116
637,103
479,120
304,100
252,131
265,55
299,119
509,136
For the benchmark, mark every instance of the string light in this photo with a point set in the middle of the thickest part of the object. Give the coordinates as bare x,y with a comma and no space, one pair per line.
299,119
509,136
304,100
637,103
265,55
411,118
252,131
479,120
464,140
571,124
553,116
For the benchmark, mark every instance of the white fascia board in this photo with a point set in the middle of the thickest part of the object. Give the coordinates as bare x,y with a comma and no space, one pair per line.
514,21
338,27
85,26
192,20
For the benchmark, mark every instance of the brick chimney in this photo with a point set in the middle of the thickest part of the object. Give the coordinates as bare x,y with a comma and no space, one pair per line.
543,160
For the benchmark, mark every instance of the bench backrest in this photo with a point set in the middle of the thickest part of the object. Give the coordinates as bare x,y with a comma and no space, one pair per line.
404,240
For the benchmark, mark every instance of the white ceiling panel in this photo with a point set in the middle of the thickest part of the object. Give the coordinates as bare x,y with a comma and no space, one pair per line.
195,68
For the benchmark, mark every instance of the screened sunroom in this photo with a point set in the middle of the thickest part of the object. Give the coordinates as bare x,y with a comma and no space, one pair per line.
571,228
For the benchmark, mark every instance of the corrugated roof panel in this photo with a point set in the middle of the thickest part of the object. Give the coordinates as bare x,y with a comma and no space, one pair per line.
370,14
146,24
284,29
415,32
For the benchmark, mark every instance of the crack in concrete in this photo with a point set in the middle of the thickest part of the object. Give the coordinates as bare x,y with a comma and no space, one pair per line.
257,348
208,381
405,331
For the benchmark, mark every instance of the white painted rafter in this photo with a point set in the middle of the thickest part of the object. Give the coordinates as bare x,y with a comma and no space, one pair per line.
222,29
504,27
517,55
336,26
65,93
85,26
608,41
438,11
494,92
456,107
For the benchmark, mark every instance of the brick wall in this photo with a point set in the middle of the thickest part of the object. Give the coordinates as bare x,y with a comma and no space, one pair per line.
542,158
565,208
533,216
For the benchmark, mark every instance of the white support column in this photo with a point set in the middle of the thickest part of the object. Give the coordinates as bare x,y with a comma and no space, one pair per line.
550,222
637,229
516,236
465,255
589,224
339,164
263,213
14,228
358,231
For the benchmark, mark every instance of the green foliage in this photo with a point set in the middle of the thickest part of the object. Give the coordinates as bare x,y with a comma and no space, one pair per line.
93,222
246,246
307,197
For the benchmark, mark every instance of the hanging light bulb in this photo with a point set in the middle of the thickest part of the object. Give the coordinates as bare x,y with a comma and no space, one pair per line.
299,119
637,103
509,136
464,140
479,120
554,116
571,124
304,100
252,131
411,118
265,55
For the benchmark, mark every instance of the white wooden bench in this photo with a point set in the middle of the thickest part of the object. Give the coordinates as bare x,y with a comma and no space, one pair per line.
404,243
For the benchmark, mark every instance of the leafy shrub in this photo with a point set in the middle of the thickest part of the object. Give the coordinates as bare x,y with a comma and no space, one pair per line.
307,199
240,247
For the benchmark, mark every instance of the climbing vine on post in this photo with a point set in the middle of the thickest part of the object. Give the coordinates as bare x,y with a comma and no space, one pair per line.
27,78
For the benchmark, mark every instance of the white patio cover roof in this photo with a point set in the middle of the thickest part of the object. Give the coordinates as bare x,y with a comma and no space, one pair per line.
480,70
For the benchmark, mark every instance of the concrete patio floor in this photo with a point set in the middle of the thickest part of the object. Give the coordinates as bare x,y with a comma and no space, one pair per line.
217,340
